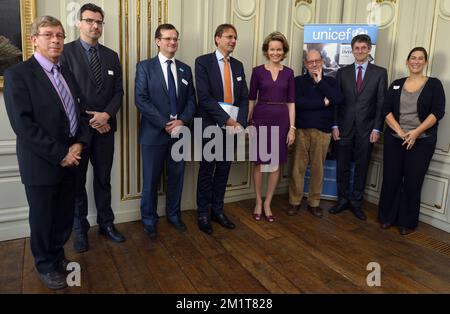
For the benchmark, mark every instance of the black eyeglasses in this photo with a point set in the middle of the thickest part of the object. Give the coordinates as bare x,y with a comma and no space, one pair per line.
49,36
92,22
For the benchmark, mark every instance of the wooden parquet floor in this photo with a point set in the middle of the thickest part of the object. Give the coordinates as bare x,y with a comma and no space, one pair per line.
298,254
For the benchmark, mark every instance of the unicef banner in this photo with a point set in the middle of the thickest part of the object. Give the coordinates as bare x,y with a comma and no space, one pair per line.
333,42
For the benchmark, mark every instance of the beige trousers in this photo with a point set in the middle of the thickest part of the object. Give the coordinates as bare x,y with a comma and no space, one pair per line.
311,146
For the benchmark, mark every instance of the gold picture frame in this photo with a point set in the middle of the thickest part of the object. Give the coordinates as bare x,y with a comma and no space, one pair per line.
27,14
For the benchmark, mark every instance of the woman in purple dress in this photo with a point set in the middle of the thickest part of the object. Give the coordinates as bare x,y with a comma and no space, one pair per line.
272,89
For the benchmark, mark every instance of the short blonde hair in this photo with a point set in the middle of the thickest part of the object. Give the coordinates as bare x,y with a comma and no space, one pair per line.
275,36
43,21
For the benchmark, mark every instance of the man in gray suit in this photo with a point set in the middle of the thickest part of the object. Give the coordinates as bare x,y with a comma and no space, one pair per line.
358,123
99,74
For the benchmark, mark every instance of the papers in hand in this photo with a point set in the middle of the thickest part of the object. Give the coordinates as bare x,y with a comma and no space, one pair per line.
231,110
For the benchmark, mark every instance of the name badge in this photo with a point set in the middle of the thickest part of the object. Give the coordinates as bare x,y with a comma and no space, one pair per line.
185,82
110,72
239,78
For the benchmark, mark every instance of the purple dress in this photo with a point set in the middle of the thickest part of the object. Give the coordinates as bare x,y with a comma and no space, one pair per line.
271,109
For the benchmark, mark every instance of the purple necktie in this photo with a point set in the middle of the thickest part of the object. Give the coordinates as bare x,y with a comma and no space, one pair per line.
359,80
67,100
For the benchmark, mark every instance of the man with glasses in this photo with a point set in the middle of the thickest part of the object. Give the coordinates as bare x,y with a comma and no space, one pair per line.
43,105
220,82
165,97
316,96
99,74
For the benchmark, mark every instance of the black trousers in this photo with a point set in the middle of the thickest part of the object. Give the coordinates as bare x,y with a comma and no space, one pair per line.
403,175
100,152
51,218
358,148
213,178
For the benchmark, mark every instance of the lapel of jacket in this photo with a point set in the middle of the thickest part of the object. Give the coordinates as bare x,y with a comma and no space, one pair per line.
42,77
398,94
180,76
82,55
236,73
103,63
158,72
351,77
215,73
367,77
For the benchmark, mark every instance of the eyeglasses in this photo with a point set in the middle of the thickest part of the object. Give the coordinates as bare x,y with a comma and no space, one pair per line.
174,39
92,22
49,36
230,37
312,62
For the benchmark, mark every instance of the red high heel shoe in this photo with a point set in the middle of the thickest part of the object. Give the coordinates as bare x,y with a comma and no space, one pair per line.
270,218
256,216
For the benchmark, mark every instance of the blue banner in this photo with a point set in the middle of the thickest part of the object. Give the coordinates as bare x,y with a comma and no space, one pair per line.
338,33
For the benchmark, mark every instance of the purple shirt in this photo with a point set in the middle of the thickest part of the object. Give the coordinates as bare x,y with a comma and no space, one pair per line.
47,66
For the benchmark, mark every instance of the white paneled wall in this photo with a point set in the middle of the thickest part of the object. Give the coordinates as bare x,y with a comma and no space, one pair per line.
129,29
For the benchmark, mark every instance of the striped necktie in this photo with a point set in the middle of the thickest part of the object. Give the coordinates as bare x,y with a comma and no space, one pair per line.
94,64
67,101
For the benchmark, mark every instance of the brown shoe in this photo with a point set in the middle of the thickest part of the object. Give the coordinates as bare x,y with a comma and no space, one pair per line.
316,211
293,210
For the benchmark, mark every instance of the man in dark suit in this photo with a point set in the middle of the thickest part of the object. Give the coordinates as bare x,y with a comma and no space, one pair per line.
213,88
99,75
359,122
165,97
43,105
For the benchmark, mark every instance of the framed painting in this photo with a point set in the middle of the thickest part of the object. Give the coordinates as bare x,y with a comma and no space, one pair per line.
16,17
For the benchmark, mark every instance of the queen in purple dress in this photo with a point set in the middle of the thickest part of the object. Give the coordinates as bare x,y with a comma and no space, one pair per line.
271,108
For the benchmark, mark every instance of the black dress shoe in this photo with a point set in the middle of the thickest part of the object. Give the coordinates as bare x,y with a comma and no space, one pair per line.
316,211
150,231
336,209
385,225
292,210
178,224
222,220
405,231
359,213
204,225
81,243
111,233
53,280
62,265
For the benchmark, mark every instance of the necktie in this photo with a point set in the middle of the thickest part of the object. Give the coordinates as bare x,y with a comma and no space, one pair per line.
67,100
227,95
171,89
359,80
94,64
